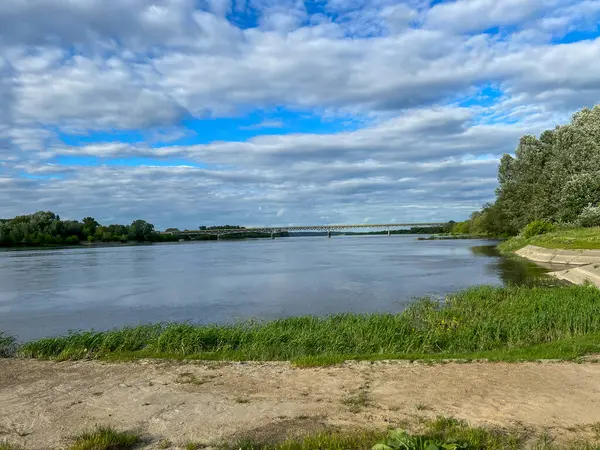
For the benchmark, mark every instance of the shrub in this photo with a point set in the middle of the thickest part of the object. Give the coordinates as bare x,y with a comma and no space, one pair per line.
72,240
536,228
589,217
7,345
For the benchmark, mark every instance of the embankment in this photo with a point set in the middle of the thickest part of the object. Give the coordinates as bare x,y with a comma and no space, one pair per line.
583,265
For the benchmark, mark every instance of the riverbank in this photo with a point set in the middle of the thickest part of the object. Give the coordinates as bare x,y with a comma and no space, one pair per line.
171,404
496,323
567,239
574,253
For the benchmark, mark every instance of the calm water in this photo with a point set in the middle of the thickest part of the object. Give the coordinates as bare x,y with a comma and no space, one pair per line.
48,292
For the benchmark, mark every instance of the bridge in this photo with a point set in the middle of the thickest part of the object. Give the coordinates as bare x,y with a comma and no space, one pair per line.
303,228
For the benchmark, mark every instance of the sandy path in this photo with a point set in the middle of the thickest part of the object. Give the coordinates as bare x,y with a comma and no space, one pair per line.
43,403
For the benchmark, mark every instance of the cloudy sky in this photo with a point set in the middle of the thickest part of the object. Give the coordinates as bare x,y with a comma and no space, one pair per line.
277,112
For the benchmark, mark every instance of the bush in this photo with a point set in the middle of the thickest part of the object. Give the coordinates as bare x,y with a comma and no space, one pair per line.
72,240
7,345
589,217
536,228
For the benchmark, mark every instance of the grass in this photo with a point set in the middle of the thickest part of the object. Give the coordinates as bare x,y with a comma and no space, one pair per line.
569,239
486,322
439,434
105,438
193,446
323,441
5,445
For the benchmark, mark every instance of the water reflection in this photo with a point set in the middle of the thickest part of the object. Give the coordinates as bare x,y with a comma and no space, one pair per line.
511,270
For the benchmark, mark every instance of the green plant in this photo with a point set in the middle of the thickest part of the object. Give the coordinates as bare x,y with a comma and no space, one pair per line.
5,445
105,438
164,444
401,440
589,217
536,228
7,345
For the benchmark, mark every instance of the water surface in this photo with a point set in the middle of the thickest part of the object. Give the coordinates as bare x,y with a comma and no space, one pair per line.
48,292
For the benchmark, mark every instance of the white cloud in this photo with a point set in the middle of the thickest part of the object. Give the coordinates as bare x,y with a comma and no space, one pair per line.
399,68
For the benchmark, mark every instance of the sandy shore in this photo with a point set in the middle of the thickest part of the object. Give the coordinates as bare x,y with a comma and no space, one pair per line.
44,403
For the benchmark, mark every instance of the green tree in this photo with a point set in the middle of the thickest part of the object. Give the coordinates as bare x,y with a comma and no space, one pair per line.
141,231
89,226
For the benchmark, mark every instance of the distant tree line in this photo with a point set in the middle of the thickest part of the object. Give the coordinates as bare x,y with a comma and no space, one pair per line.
46,228
553,179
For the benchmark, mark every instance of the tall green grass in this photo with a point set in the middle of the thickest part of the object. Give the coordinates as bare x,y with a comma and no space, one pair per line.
105,438
479,319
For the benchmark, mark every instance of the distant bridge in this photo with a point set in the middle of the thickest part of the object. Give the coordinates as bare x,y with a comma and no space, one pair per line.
303,228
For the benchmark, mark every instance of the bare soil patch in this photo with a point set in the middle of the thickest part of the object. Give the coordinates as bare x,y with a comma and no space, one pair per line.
43,404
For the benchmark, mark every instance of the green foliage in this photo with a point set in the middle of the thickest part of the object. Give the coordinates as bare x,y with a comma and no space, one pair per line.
554,177
589,217
401,440
46,228
104,438
7,345
356,440
479,319
5,445
141,231
439,434
580,191
536,228
451,434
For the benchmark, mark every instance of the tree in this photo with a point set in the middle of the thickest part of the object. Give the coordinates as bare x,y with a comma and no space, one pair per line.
552,178
89,226
141,231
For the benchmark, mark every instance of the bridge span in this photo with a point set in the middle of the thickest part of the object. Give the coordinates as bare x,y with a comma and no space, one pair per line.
303,228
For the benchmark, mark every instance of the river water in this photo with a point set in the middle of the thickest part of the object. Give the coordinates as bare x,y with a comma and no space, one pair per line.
48,292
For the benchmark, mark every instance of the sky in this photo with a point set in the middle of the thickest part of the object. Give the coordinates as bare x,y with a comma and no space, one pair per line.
276,112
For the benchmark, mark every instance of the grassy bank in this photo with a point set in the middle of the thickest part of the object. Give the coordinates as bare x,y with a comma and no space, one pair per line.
575,239
439,434
502,323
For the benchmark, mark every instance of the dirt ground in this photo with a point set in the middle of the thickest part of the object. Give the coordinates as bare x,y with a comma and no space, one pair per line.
42,404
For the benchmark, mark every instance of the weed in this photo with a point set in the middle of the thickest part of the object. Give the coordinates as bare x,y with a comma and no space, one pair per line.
5,445
241,400
105,438
164,444
193,446
423,407
188,378
357,401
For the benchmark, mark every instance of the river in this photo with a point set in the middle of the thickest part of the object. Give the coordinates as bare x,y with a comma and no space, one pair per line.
48,292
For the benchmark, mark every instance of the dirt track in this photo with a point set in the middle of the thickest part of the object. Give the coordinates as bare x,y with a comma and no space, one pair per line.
43,403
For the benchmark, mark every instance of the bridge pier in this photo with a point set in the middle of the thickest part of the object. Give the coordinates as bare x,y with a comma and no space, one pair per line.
218,237
389,232
272,235
329,233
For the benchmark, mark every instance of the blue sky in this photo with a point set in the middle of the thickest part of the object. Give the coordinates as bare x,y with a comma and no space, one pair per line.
263,112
